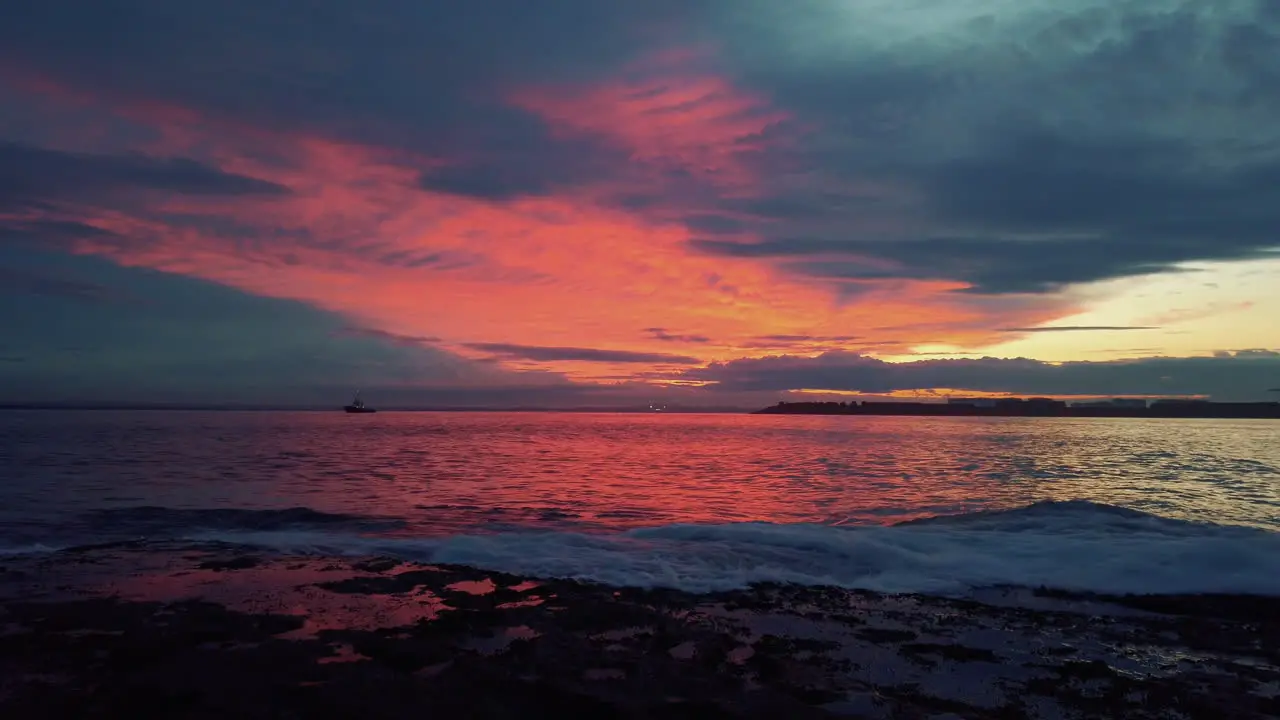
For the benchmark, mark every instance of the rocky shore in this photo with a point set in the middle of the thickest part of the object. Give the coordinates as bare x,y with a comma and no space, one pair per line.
144,631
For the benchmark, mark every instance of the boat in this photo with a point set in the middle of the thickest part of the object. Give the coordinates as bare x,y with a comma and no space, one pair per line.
357,406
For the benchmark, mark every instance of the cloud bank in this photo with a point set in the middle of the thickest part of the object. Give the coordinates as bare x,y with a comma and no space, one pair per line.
590,191
1226,377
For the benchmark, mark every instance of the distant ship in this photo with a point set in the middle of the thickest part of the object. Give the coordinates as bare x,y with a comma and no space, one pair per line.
357,406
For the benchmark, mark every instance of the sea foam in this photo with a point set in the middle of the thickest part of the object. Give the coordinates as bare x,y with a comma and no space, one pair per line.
30,549
1076,546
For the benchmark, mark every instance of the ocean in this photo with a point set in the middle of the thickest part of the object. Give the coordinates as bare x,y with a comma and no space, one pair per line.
693,502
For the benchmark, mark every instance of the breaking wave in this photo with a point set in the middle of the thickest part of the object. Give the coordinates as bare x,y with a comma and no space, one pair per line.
150,520
1077,546
32,549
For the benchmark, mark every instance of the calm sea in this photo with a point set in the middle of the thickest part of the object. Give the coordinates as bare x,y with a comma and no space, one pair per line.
696,501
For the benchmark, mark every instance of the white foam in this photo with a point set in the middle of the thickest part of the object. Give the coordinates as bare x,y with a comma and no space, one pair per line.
33,549
1070,546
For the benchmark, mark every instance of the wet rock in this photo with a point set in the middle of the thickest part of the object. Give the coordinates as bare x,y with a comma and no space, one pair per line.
377,638
243,562
885,635
951,652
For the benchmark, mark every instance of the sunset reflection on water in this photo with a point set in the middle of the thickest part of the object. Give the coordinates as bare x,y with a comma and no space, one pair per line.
441,473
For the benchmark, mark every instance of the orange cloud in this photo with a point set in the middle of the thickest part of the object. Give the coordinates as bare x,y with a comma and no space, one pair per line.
358,235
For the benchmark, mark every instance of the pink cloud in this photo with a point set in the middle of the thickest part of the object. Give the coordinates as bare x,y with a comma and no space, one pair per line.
357,234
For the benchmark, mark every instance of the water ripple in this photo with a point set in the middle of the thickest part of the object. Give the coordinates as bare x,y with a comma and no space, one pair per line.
441,474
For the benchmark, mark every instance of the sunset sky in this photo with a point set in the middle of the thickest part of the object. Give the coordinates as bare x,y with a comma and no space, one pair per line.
579,202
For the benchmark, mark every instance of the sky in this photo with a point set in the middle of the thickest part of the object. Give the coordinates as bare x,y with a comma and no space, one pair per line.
698,202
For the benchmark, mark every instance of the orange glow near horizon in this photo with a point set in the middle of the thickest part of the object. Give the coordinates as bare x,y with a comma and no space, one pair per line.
944,394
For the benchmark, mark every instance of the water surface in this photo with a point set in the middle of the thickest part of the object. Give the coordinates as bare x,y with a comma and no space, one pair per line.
696,501
449,472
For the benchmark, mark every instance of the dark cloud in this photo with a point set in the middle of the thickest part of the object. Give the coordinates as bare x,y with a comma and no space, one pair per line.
443,260
814,202
1054,211
518,155
23,282
539,353
37,176
195,341
19,235
797,343
1078,328
1232,376
666,336
388,72
991,265
491,182
807,338
1037,180
713,224
1063,144
397,338
34,231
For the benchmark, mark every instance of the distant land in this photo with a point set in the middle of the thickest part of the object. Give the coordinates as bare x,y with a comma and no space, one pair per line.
1036,407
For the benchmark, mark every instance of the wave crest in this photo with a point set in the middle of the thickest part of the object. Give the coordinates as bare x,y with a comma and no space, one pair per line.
155,520
1076,546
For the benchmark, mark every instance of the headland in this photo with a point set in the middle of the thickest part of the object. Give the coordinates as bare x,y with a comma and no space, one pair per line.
1036,407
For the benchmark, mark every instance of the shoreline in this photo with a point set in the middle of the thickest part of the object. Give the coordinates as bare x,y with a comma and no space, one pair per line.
205,631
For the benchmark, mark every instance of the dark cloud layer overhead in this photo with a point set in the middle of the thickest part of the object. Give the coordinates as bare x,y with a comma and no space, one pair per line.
532,183
1044,144
422,76
1038,145
1050,213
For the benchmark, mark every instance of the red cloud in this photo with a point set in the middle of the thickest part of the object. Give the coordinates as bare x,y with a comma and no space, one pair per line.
358,235
670,119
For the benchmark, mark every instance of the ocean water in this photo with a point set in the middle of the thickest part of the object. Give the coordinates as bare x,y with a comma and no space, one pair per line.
699,502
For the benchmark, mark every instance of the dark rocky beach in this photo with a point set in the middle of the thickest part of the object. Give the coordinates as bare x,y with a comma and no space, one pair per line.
144,631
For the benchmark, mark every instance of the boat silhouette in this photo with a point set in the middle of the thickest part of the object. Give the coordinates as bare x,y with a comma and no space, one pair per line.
357,406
